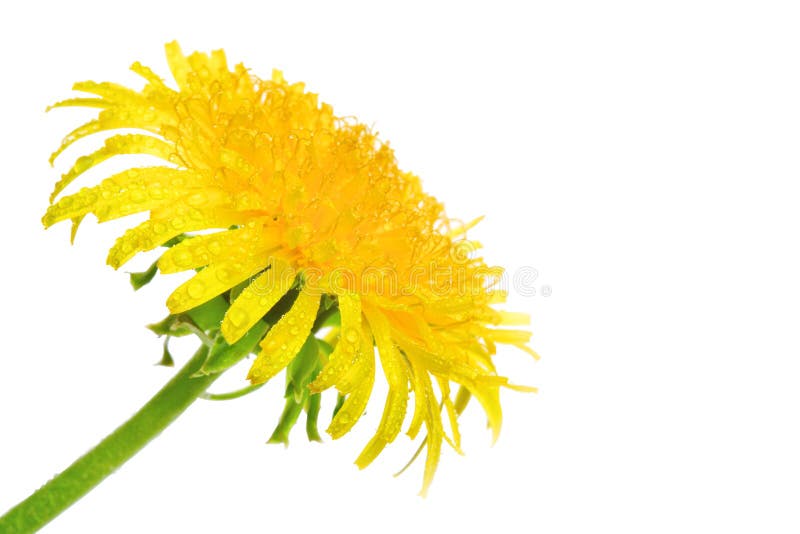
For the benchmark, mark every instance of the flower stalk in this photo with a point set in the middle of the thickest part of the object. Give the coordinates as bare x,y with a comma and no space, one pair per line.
122,444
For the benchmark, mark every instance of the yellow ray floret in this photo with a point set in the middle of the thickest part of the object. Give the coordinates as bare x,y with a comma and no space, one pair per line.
396,371
276,202
284,340
358,388
348,347
257,299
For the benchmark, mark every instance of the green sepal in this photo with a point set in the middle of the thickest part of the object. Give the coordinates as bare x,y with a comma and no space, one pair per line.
208,315
303,369
339,401
175,240
312,414
334,319
328,301
291,411
171,325
139,280
238,288
300,372
325,350
166,356
224,356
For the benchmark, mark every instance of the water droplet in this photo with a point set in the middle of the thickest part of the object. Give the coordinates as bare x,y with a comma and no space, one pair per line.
238,317
137,195
182,257
294,331
214,248
196,288
351,335
156,193
197,199
159,228
224,274
178,223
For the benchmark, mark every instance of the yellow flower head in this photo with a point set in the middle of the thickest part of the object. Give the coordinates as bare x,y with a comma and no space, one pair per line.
299,200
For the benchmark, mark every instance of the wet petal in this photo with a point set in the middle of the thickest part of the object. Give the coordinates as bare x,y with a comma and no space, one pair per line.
357,399
284,340
395,369
257,299
170,222
348,346
210,282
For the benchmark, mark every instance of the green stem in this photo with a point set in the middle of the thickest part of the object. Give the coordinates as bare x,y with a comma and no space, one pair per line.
230,395
117,448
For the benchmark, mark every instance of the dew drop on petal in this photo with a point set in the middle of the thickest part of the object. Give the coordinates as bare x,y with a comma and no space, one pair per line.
197,199
238,317
351,335
182,257
224,274
196,289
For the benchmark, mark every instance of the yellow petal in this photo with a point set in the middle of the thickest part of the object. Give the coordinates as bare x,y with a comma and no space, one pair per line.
284,340
122,194
148,74
112,93
357,399
210,282
178,65
433,422
116,145
489,398
256,300
513,318
419,405
444,387
201,250
81,102
511,337
396,371
170,222
117,117
347,348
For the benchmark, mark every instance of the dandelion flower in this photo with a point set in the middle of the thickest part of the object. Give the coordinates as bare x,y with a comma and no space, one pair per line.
277,199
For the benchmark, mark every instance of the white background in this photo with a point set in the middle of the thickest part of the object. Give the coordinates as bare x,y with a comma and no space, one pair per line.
641,156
